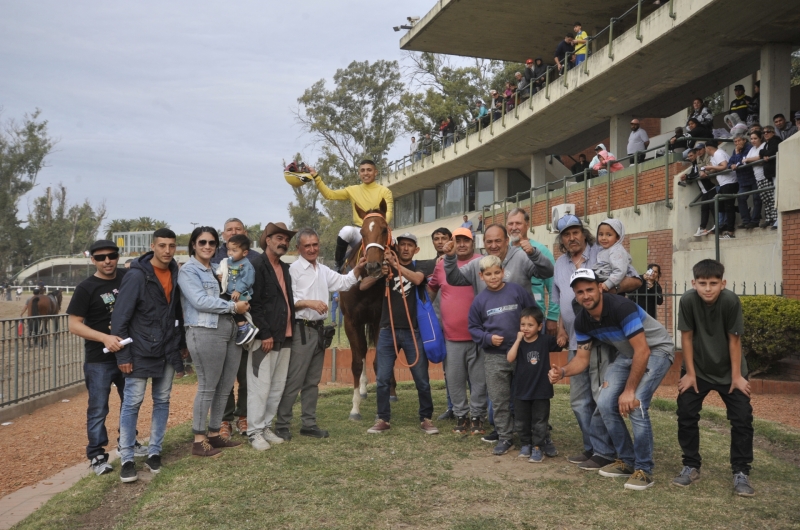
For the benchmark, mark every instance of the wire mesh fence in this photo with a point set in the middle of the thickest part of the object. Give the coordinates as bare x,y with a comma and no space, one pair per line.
37,355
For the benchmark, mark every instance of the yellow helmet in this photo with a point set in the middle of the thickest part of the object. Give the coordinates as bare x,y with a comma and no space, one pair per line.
297,179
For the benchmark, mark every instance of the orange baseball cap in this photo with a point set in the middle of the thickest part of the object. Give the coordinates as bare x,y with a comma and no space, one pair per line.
466,232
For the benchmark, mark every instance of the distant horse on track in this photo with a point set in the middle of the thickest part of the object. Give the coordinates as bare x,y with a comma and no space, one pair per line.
362,309
42,305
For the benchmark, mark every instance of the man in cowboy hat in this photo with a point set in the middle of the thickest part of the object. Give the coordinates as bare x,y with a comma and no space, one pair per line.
272,311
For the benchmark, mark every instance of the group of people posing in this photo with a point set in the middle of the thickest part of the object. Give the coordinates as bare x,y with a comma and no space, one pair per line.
249,316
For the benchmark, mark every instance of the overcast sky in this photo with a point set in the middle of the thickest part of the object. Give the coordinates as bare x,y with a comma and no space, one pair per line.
176,110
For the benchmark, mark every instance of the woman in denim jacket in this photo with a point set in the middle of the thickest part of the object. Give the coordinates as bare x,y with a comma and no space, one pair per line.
211,339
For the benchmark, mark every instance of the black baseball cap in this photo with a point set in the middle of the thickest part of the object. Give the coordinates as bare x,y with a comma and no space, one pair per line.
101,244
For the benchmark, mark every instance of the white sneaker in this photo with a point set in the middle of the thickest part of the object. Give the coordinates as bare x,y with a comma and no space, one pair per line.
139,450
271,437
711,230
700,233
258,442
101,466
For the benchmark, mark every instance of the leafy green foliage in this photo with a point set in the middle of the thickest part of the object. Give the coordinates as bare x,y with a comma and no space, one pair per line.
57,228
771,330
139,224
23,150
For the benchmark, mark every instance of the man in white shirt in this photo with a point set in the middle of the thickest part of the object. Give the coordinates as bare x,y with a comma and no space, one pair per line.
312,284
637,141
728,184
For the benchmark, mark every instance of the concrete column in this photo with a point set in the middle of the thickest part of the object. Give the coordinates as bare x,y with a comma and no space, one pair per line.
776,64
669,123
748,89
500,184
538,169
620,131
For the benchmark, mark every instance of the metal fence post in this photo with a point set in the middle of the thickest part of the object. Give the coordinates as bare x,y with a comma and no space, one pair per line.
716,222
547,212
666,175
333,364
608,191
611,39
636,175
639,20
672,14
585,196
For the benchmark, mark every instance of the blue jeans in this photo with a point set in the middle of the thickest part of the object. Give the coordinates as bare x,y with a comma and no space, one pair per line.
99,378
386,356
582,403
129,415
639,452
745,213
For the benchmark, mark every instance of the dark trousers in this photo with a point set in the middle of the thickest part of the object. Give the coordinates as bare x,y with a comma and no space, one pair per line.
747,215
740,414
531,417
386,357
728,206
238,406
707,209
99,377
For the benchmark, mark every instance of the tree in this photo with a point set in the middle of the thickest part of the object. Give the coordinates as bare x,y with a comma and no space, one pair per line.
23,150
140,224
57,228
360,117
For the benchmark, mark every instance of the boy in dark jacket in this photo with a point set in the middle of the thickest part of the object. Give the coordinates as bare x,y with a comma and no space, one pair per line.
147,311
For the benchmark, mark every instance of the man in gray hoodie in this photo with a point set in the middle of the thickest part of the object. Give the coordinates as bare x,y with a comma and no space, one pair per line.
519,265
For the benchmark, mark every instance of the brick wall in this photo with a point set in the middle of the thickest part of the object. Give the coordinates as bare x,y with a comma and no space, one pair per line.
790,222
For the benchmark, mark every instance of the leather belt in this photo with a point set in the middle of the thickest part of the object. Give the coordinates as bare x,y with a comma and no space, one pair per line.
316,324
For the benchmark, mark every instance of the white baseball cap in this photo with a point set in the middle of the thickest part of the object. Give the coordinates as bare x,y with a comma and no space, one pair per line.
582,274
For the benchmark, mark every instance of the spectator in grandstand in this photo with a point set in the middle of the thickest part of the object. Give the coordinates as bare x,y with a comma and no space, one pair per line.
768,196
443,131
480,223
648,296
426,145
740,105
727,184
414,149
450,132
771,142
508,93
637,141
797,119
564,47
783,128
496,104
539,71
579,42
523,90
747,182
601,159
678,141
701,113
580,166
697,130
480,107
467,224
528,73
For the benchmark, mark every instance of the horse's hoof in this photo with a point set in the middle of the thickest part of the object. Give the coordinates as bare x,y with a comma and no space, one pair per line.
355,417
393,398
363,396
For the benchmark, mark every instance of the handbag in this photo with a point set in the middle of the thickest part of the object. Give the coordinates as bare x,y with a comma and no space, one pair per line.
429,329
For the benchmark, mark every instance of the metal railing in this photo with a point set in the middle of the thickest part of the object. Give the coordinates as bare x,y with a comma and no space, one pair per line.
729,196
37,355
479,124
667,311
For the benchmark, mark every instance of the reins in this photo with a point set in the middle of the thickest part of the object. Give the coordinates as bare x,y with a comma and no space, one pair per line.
364,249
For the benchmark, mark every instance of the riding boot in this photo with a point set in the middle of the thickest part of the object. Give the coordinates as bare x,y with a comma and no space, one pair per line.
341,250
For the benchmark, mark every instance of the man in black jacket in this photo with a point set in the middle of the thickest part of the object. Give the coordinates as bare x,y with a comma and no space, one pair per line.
272,311
147,311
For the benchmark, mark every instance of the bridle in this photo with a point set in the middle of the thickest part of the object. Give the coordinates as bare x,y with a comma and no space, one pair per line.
365,248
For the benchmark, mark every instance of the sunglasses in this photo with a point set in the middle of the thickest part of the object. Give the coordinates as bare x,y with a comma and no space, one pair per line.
204,242
102,257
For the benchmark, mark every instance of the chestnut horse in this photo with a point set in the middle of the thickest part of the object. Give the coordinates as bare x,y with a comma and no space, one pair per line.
362,309
42,305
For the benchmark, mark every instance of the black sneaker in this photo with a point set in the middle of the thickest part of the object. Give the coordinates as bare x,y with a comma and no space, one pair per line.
461,425
245,334
549,448
595,463
153,464
446,415
286,434
741,485
128,472
476,426
580,458
314,432
491,437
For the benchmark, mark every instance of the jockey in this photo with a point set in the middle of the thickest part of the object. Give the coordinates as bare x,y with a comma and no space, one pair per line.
367,196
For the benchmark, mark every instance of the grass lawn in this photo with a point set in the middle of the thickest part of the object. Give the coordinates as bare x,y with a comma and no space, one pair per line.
406,479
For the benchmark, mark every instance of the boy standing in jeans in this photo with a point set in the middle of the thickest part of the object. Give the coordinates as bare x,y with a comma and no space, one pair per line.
710,321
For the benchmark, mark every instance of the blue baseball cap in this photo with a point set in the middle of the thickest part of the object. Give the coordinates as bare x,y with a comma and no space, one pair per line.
568,221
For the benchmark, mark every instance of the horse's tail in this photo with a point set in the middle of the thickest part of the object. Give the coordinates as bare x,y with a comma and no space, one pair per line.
372,335
34,312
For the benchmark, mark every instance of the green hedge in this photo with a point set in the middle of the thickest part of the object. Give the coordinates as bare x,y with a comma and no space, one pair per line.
771,330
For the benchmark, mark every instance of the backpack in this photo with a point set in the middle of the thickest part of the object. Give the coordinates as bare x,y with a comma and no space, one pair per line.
429,329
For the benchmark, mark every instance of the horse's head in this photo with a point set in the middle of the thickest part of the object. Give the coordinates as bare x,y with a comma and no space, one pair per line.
376,236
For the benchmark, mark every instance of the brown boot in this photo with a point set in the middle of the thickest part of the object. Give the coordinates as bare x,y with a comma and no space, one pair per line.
204,449
218,442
